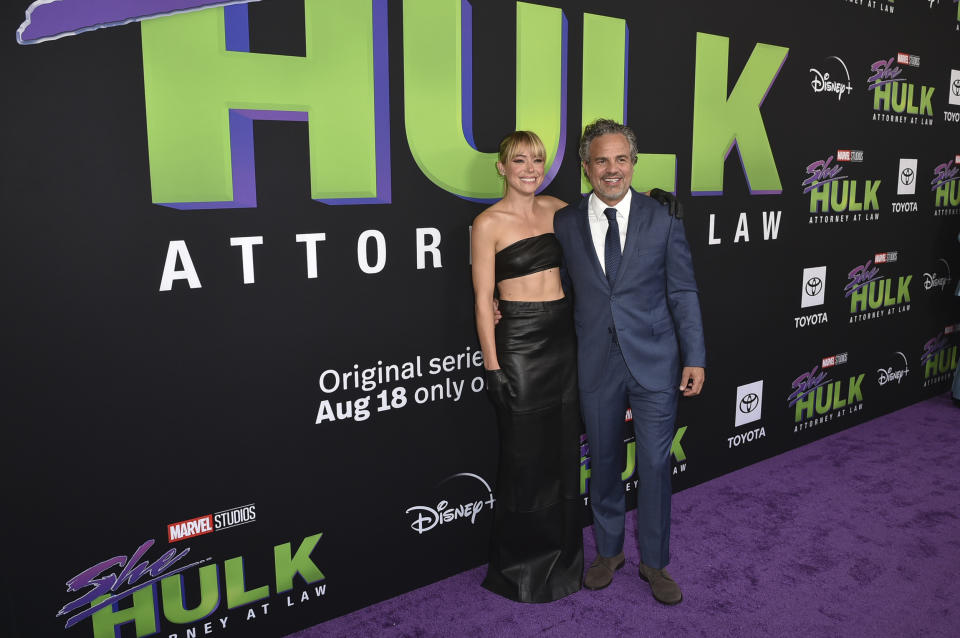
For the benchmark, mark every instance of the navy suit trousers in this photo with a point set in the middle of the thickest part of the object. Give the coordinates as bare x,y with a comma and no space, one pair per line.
654,418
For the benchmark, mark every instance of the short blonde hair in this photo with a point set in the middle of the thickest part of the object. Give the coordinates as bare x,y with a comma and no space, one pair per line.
512,144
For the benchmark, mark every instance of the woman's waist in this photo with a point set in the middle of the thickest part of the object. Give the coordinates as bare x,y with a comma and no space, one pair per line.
510,307
539,286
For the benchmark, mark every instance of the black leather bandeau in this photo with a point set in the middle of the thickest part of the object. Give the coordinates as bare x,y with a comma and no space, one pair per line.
527,256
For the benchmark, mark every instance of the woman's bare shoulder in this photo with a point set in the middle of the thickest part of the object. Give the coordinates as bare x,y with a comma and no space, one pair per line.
491,220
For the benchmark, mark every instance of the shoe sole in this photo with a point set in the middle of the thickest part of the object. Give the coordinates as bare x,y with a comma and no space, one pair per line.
662,602
615,570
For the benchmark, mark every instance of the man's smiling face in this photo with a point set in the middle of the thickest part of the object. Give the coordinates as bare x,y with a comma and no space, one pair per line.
610,168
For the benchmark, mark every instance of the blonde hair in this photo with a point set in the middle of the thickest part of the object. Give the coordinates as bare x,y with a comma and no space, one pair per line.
512,144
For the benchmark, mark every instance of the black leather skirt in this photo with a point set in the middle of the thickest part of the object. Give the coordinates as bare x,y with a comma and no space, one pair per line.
536,549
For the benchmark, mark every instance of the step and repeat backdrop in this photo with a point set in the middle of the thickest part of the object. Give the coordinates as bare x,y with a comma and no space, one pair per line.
244,391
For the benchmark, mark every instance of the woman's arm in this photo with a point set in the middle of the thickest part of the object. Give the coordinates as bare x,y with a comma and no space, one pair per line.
483,250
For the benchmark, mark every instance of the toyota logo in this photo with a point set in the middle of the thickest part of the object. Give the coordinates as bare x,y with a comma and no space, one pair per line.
749,403
813,286
907,176
956,87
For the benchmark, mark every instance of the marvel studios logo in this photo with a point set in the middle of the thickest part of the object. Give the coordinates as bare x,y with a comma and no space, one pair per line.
909,60
849,156
956,160
835,360
210,523
885,258
951,328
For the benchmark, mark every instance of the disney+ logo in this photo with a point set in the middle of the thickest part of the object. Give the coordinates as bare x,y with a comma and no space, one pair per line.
821,82
427,517
889,374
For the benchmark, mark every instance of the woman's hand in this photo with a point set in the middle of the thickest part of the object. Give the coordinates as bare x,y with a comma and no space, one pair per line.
674,207
499,388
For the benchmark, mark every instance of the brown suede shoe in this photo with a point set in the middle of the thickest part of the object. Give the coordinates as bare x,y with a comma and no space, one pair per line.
601,571
664,588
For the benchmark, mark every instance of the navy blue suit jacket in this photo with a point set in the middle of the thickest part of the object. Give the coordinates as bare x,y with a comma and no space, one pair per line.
653,305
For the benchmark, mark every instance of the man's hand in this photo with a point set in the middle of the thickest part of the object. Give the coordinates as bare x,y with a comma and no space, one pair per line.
496,312
691,381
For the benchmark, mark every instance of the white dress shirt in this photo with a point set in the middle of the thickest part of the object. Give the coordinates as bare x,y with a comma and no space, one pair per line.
599,223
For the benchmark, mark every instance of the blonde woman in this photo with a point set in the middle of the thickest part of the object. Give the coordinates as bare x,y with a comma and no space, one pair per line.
536,549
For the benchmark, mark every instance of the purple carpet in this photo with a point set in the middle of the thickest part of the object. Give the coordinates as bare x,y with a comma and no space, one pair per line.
854,535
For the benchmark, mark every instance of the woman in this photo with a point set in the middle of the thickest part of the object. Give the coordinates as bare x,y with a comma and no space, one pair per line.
536,549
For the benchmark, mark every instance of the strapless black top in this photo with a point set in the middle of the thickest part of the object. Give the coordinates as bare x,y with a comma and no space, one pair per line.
527,256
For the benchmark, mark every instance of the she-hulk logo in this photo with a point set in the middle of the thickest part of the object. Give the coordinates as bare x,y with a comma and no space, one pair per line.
203,89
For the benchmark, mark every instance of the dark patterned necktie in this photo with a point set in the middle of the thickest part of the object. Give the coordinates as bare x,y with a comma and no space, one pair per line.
611,249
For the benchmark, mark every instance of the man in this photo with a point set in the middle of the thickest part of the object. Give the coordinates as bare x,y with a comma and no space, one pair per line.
637,316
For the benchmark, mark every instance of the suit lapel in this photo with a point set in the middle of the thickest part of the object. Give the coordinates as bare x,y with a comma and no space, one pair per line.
583,222
634,223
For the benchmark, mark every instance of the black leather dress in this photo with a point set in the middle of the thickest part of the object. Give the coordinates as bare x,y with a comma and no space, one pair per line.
536,549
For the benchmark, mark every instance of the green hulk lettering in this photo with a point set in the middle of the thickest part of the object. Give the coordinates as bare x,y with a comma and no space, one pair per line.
300,563
675,448
172,591
605,54
820,198
142,613
438,94
870,201
926,100
237,592
903,289
860,298
203,89
631,462
854,393
720,121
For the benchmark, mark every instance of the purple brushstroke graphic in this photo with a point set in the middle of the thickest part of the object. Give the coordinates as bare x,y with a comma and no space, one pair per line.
860,277
52,19
933,347
884,72
820,173
102,582
946,172
805,384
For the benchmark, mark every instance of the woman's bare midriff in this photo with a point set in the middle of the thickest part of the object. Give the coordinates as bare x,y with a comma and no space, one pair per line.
538,286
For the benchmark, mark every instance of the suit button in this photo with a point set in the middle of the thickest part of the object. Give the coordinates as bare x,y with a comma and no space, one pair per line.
613,297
